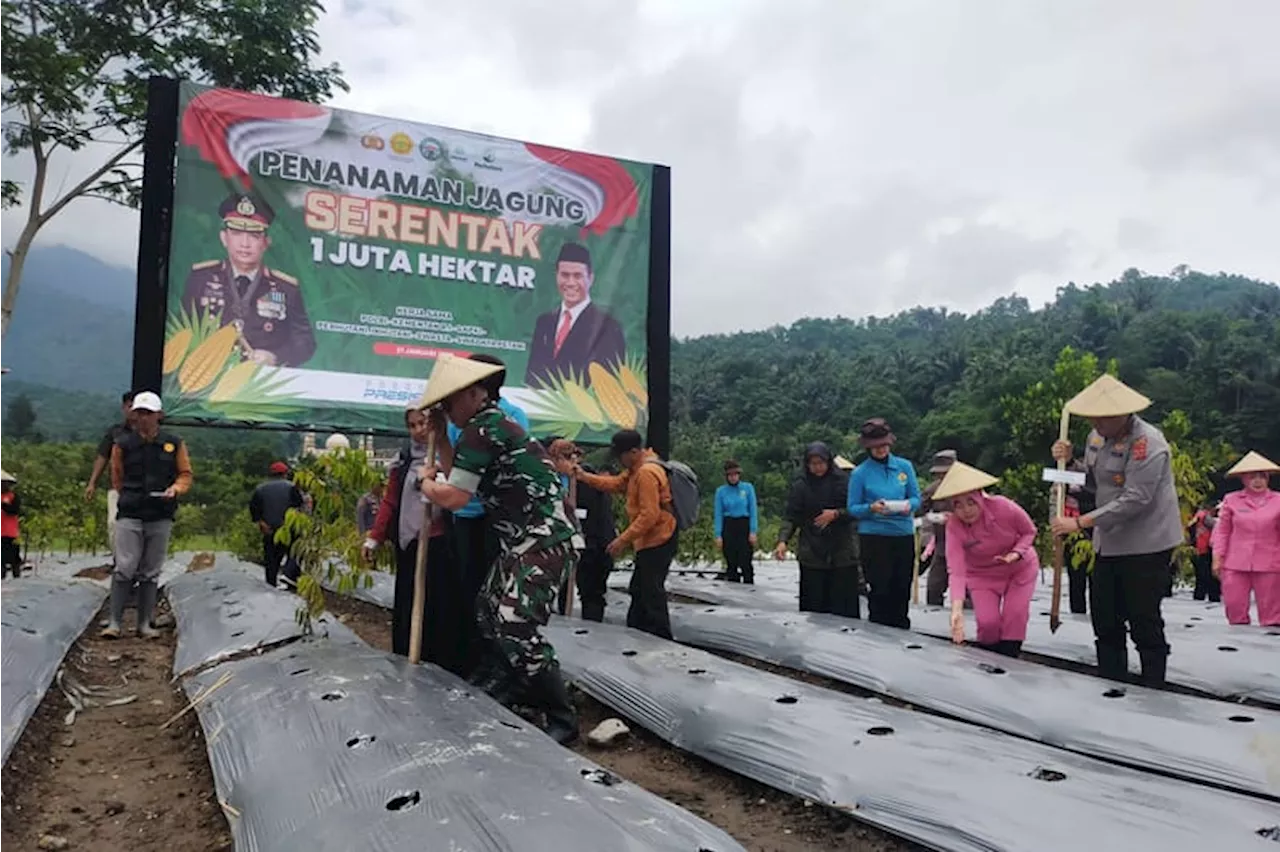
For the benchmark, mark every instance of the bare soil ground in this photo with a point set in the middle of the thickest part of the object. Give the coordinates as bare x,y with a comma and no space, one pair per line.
114,781
760,818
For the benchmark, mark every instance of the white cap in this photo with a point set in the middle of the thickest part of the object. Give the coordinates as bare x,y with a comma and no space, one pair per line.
147,401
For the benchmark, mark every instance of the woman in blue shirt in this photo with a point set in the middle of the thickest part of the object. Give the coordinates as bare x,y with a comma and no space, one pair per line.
884,496
736,522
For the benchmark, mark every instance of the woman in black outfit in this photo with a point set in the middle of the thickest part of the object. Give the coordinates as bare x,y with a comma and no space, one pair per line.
399,520
828,549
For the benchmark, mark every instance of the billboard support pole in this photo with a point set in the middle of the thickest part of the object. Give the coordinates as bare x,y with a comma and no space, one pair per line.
159,148
658,331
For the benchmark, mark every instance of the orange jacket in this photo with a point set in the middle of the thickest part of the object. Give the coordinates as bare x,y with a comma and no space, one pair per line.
652,522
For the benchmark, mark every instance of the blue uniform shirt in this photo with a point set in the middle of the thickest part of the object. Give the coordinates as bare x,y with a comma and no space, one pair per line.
735,501
516,413
892,479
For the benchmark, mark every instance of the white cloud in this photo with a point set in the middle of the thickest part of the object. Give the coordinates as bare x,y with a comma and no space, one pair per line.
862,157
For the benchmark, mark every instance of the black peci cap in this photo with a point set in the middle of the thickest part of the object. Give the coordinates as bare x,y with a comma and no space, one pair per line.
574,253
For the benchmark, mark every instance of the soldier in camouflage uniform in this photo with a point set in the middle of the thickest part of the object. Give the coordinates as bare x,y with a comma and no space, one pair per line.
264,304
512,475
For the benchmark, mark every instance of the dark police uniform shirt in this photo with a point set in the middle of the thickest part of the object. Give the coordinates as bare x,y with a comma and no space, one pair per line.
271,310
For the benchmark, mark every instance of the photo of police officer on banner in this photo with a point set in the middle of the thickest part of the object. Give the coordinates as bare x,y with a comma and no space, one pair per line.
264,304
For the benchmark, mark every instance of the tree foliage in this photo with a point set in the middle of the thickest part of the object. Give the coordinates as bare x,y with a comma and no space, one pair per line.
324,539
20,419
989,385
76,72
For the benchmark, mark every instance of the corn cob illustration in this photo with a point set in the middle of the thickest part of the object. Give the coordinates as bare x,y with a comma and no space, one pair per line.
206,361
613,399
232,381
631,382
584,404
175,349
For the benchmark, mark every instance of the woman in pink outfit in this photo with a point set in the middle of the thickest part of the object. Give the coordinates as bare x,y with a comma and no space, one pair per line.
1246,543
991,554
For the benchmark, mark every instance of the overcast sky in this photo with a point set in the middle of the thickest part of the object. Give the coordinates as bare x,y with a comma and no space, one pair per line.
839,157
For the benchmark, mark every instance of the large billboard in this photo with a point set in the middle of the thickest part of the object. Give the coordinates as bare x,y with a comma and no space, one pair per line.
320,259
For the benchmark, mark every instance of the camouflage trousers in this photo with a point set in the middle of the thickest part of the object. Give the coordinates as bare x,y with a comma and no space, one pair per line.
518,599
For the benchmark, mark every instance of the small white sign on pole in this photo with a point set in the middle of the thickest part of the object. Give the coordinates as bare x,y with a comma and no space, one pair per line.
1066,477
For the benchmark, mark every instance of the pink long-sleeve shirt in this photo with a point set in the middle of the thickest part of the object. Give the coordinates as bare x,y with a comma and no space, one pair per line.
1003,527
1247,535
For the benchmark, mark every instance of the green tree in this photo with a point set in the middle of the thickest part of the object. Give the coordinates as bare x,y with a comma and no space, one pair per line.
20,418
76,71
325,540
1033,418
1193,462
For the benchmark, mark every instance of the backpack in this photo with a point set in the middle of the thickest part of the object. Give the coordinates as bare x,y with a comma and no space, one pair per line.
684,492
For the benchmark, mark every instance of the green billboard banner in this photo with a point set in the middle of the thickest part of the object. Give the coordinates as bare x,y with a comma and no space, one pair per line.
321,259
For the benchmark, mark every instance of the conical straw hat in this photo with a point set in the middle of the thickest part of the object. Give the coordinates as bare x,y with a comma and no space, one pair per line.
961,479
1107,397
1254,463
843,463
6,476
452,374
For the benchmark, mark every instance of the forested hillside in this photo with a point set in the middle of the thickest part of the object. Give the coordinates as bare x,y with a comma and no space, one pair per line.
1205,347
1208,345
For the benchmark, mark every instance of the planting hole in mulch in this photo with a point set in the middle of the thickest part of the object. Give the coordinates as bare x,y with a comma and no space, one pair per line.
760,818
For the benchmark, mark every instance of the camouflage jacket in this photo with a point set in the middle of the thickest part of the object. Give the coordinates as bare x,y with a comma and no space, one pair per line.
510,472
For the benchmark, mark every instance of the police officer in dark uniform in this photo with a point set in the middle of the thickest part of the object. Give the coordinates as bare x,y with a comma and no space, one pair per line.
264,304
1136,525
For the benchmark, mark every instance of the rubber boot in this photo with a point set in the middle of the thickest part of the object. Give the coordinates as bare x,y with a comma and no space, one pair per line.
1113,661
553,699
1154,664
147,593
119,597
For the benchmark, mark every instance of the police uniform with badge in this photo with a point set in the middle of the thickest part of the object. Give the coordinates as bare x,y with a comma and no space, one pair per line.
264,304
1136,526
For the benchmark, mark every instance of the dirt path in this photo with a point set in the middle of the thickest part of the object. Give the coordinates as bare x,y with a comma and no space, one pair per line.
113,781
760,818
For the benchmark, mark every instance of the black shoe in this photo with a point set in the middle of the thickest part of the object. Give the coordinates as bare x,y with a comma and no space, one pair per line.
1009,648
553,697
1154,664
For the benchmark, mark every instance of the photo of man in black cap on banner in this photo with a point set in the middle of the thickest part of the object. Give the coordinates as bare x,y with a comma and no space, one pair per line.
578,332
264,304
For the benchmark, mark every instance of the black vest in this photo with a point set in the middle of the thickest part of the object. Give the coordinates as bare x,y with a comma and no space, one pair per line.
149,468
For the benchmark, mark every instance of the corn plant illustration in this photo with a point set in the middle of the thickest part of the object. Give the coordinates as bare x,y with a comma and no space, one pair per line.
202,363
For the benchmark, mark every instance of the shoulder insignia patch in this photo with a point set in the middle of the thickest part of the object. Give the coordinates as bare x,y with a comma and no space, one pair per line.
282,276
1139,452
1096,440
206,264
168,448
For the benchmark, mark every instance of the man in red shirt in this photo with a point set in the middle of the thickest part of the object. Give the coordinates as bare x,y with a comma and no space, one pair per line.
9,525
1199,534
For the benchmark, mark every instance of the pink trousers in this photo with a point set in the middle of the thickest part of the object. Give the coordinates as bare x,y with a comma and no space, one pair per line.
1265,586
1002,601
